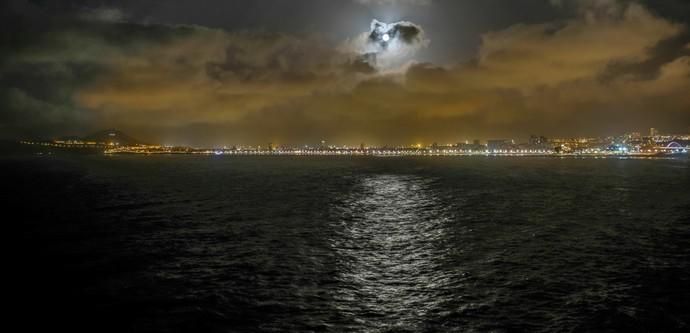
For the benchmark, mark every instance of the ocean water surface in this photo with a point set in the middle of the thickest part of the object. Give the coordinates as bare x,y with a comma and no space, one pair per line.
275,244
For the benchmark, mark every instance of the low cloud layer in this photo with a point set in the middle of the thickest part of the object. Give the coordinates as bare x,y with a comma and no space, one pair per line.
613,66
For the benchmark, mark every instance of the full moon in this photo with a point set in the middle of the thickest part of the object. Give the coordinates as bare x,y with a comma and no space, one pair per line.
386,37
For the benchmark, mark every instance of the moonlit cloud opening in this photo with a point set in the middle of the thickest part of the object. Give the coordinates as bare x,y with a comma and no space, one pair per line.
388,46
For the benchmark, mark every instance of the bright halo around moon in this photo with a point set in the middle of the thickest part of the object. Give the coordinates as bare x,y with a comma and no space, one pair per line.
386,37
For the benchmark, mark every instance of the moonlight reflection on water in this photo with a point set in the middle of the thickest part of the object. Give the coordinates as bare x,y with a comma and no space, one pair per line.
392,227
356,245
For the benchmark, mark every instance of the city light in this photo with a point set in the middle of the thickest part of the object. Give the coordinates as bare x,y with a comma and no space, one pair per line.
631,145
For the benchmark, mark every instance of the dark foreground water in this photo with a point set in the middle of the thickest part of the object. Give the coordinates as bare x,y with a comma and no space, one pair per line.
183,243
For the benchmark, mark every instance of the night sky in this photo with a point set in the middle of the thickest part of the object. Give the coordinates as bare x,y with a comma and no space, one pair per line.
212,72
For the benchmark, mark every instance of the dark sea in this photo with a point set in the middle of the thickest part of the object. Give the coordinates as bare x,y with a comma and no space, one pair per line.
308,244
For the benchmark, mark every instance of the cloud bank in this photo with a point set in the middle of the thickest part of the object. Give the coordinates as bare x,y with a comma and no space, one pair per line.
609,68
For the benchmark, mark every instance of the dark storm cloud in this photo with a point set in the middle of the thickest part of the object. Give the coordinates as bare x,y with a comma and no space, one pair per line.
677,10
46,58
274,58
661,54
601,66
